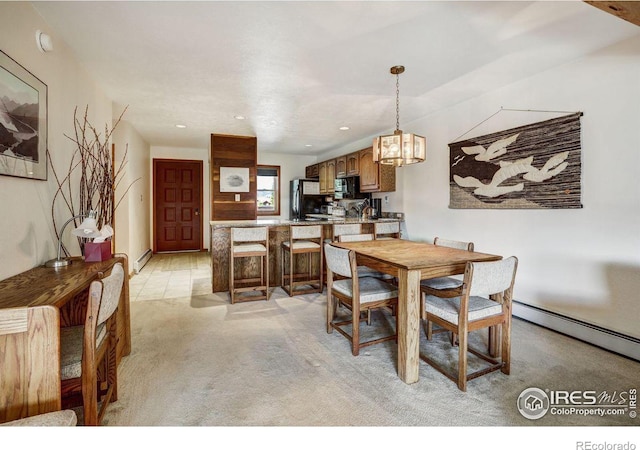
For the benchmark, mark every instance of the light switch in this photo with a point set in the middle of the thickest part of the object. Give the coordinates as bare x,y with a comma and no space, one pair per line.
237,197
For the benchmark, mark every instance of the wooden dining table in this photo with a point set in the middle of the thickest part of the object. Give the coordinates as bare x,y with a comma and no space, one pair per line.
410,262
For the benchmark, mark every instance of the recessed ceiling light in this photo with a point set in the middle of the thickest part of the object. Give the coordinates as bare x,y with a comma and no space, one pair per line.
179,125
344,128
239,117
308,145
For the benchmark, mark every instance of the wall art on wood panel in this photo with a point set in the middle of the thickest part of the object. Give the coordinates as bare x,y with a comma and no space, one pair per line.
533,166
23,122
234,179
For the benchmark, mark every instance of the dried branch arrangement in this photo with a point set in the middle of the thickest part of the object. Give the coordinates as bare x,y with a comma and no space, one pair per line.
99,179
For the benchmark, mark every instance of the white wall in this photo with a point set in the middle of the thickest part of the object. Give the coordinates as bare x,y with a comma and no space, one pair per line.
132,217
581,263
28,239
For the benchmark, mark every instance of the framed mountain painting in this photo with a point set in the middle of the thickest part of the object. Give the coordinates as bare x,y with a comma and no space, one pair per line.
23,122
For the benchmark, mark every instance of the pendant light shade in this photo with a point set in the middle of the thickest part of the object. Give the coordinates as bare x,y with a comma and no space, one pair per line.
399,149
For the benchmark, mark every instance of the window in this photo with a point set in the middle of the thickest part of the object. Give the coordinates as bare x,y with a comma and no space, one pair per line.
268,195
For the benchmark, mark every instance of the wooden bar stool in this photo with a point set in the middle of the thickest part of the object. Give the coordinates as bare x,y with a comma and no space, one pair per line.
303,240
249,242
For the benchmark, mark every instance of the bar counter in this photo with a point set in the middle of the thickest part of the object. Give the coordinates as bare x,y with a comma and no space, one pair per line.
278,233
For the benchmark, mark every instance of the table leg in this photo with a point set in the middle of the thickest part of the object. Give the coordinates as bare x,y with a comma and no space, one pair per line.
408,325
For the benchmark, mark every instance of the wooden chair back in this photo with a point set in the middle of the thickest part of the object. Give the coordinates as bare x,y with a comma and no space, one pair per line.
345,229
30,355
355,237
460,245
386,230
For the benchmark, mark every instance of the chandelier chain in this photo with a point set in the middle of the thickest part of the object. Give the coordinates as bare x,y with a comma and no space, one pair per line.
397,102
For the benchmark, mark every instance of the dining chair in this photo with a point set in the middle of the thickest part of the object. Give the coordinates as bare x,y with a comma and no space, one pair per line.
444,287
485,301
88,352
63,418
345,229
386,230
358,294
365,271
249,242
303,240
29,362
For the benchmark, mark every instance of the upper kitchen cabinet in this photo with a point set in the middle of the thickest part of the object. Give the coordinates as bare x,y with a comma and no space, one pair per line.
375,177
322,175
341,167
353,164
311,171
327,172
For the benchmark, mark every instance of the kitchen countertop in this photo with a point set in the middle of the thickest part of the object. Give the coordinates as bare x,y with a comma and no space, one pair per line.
284,222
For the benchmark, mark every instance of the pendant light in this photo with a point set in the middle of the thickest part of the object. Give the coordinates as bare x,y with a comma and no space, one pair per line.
399,149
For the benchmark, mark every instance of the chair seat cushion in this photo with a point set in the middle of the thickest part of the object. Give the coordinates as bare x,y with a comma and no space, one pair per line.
302,244
71,349
442,283
248,248
64,418
448,308
364,271
371,289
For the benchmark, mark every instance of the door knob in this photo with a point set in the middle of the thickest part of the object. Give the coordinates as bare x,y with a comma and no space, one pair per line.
197,213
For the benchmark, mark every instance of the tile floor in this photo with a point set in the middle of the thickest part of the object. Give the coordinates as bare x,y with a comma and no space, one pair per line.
185,276
172,275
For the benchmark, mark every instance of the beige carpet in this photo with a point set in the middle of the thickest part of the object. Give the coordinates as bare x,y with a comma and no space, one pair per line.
200,361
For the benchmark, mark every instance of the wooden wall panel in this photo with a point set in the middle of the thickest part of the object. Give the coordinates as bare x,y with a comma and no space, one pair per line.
233,151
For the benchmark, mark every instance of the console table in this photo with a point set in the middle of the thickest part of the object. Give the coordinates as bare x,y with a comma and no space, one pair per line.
66,288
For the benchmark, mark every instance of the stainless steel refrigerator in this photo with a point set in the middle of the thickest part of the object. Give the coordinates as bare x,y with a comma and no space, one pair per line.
305,198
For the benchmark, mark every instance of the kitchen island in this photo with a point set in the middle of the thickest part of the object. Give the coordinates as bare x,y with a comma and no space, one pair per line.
278,233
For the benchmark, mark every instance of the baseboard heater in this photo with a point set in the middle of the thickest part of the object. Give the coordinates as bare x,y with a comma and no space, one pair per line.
140,262
601,337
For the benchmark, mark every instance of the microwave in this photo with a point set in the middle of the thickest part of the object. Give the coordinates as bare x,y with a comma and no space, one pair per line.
346,188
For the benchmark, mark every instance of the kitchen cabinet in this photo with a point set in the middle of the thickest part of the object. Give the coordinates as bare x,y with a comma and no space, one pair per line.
341,167
322,176
327,175
311,171
375,177
353,164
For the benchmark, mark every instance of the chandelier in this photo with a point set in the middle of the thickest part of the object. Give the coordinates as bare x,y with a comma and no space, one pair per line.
399,149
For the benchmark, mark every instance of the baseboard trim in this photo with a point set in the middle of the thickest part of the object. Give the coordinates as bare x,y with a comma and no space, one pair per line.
601,337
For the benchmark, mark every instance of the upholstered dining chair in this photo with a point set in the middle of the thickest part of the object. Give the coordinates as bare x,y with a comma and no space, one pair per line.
444,287
63,418
386,230
357,294
364,271
345,229
88,362
485,301
29,362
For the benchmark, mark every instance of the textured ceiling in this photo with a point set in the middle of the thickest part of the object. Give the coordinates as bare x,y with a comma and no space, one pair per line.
300,70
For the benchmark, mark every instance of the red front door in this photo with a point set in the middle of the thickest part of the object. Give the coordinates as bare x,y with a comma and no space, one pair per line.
177,193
